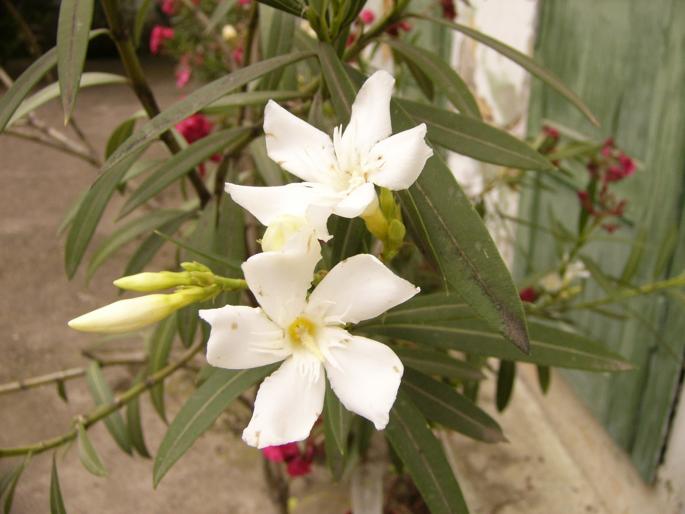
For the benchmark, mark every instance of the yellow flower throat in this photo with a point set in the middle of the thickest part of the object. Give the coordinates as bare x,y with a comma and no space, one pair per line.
302,333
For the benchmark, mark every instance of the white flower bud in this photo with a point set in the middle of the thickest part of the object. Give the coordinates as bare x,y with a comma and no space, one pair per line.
229,33
145,282
134,313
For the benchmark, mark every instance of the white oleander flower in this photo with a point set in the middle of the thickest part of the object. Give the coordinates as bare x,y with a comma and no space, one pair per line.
338,174
307,335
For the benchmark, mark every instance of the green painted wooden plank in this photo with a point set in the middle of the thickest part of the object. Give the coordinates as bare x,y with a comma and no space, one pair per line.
636,87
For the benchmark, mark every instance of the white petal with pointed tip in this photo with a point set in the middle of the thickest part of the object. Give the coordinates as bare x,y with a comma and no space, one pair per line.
269,203
280,280
399,159
364,374
370,119
359,288
297,146
288,404
243,338
355,203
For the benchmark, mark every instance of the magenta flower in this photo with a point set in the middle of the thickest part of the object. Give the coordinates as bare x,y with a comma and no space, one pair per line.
367,16
158,36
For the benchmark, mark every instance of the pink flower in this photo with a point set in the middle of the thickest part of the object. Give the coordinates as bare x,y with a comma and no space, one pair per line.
298,462
238,54
281,453
367,16
158,36
627,164
395,28
244,2
182,77
169,7
528,294
195,127
299,466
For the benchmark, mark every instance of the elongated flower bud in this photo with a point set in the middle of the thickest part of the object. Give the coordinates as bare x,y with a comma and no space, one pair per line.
134,313
146,282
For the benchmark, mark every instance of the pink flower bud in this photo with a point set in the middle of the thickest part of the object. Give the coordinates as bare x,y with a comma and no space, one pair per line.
367,16
528,294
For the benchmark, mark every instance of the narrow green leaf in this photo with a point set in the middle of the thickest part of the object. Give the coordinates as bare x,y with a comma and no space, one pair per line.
270,172
230,102
188,321
441,364
128,232
102,395
8,485
635,257
62,391
196,101
522,60
184,161
160,348
88,454
446,80
290,6
439,402
119,135
56,500
279,29
209,256
200,412
141,18
10,101
474,138
90,211
350,238
135,427
544,378
338,419
73,27
219,14
506,374
446,225
421,79
149,248
335,460
52,91
424,458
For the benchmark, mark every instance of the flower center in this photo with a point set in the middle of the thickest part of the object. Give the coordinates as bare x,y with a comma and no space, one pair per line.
302,334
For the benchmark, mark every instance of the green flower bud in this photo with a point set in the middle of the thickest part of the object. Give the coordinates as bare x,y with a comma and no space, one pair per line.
396,232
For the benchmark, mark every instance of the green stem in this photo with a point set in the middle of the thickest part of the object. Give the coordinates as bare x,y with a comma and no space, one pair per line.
104,410
136,75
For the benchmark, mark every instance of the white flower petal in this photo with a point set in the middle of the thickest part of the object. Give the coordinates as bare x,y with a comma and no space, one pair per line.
398,160
242,338
280,280
356,202
363,373
370,119
297,146
269,203
358,288
287,405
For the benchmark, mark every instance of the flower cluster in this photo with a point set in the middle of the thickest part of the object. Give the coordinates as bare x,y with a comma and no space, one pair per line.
307,331
608,167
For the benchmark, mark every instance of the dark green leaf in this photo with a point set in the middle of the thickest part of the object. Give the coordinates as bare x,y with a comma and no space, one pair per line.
230,102
119,135
446,225
338,419
424,458
73,27
149,248
8,484
196,101
143,225
141,18
474,138
350,237
56,500
10,101
88,454
187,324
184,161
102,395
160,348
441,364
270,172
208,256
438,320
421,79
62,390
506,374
524,61
200,412
135,427
544,378
446,80
280,28
439,402
52,91
90,211
290,6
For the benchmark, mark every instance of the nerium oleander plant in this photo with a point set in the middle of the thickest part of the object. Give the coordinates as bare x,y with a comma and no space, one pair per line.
368,294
